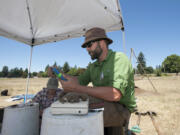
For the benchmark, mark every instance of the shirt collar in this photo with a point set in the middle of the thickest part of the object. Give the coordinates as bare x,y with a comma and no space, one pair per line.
107,57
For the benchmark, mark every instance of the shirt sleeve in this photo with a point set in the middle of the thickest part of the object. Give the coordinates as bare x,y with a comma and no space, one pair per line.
85,78
37,97
122,72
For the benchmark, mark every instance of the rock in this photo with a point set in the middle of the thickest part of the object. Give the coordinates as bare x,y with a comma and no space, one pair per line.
4,93
72,97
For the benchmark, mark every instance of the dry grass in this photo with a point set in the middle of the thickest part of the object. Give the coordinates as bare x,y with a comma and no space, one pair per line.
166,103
17,86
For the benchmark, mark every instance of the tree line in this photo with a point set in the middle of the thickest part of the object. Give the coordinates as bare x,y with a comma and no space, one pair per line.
19,72
171,64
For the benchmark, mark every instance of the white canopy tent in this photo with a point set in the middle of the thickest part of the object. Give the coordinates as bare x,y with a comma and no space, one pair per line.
36,22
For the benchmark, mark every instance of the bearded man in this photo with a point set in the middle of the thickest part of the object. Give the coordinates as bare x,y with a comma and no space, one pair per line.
112,77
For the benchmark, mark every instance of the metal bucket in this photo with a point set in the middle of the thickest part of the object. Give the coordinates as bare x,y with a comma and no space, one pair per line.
21,120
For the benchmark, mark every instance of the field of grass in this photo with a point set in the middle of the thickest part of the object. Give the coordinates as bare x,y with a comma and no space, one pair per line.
165,102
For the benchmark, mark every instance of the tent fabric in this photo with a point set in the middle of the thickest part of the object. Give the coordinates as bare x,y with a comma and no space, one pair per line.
36,22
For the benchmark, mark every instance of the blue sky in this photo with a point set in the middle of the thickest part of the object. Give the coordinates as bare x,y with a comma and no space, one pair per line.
152,27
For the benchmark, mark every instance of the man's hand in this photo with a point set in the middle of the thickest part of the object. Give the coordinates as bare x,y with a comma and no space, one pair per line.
71,85
104,92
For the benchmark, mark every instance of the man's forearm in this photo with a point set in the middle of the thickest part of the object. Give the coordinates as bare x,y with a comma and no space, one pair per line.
106,93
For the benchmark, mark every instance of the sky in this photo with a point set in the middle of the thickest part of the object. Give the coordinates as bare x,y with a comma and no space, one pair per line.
151,27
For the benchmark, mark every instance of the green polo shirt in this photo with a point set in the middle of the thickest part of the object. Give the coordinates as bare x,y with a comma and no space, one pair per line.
115,71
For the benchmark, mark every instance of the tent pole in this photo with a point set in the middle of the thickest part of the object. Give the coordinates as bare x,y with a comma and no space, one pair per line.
27,82
121,22
123,36
131,55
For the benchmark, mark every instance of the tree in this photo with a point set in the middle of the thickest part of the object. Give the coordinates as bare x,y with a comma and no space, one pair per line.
46,68
73,72
4,71
141,63
40,74
59,68
158,70
66,67
15,72
1,74
80,71
34,74
149,70
55,64
21,72
171,64
25,73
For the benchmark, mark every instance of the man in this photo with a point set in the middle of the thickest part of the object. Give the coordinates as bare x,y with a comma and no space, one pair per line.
47,95
112,78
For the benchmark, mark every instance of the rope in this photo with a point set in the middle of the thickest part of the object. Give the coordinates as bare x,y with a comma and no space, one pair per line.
144,71
150,114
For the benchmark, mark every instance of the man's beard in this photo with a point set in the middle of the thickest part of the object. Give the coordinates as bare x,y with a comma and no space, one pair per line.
96,53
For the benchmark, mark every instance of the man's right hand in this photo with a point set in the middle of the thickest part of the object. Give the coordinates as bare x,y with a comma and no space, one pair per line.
71,85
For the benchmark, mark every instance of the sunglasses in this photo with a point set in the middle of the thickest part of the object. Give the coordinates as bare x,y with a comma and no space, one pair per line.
88,45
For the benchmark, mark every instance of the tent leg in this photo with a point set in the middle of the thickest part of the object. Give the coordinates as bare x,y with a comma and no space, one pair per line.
131,55
27,82
124,46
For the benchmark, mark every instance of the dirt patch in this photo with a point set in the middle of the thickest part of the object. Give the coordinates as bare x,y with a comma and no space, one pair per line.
165,103
142,92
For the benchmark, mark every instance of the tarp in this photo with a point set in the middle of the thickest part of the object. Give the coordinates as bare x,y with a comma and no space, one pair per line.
36,22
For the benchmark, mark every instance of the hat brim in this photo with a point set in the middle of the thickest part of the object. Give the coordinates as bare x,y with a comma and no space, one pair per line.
96,39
